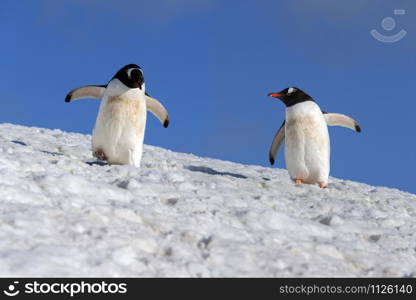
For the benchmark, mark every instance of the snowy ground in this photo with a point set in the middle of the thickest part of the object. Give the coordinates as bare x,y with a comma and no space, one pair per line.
183,215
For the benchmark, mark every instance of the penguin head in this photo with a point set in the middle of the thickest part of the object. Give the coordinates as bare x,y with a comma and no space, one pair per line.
291,96
131,76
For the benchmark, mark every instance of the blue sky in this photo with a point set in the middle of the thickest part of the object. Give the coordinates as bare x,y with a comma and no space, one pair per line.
212,63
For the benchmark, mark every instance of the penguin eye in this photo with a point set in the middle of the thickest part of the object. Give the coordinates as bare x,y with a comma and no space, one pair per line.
129,71
290,91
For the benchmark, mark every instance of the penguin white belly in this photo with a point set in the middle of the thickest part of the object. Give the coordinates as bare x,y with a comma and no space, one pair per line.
119,130
307,146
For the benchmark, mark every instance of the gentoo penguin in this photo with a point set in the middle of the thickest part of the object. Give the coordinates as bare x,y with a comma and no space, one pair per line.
119,129
307,146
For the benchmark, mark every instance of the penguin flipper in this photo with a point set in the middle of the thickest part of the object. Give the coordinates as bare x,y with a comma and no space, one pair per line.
156,108
277,141
334,119
87,91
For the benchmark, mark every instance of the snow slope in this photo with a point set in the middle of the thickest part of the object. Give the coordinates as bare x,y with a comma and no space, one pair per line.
62,214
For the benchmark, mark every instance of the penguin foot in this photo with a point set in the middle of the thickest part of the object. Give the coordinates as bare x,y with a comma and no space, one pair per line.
298,181
100,154
323,185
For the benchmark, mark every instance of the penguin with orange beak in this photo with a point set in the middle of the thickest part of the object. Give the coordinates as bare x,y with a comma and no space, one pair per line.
305,132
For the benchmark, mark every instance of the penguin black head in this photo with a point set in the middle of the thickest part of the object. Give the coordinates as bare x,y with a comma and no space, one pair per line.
291,96
131,75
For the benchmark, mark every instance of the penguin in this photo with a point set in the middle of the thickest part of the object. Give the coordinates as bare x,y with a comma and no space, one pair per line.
305,131
120,125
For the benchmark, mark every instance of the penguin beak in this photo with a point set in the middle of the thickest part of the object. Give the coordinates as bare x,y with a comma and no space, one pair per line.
137,78
274,95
